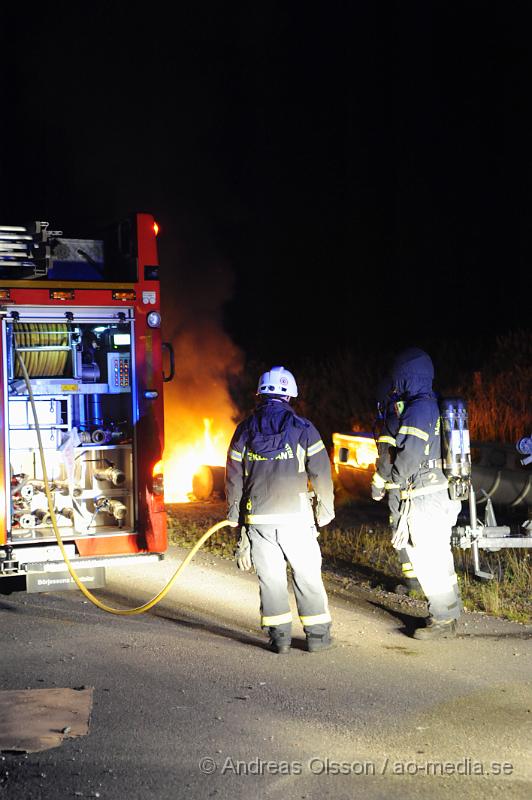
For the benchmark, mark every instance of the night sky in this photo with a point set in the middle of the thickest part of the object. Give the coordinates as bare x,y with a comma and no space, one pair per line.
351,174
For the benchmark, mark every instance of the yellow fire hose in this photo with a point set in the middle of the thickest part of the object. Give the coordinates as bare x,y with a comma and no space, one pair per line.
122,611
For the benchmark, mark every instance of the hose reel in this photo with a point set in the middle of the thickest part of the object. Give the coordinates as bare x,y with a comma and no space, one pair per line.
45,347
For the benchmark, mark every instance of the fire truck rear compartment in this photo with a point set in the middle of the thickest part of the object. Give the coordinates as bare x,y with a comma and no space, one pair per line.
80,375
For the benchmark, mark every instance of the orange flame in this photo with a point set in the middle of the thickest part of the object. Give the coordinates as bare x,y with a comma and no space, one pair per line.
183,461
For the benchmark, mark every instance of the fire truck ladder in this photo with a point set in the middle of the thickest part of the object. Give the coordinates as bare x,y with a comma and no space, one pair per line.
25,251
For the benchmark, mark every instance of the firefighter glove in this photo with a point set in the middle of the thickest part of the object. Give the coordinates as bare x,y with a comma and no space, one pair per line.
377,487
377,493
243,552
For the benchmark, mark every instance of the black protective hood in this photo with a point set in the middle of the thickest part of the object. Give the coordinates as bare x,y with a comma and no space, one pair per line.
412,372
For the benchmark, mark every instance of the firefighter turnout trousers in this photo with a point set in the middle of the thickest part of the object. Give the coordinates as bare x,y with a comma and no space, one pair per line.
430,521
272,546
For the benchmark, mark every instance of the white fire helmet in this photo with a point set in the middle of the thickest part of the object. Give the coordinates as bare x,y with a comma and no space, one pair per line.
278,381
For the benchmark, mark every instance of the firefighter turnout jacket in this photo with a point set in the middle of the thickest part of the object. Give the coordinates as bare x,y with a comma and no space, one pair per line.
273,455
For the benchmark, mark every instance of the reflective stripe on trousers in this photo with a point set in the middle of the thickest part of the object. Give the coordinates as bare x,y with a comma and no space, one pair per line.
271,547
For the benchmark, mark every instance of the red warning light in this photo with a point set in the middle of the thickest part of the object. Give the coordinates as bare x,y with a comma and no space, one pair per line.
155,228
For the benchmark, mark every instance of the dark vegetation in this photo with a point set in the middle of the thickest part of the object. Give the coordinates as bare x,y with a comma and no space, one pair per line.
337,392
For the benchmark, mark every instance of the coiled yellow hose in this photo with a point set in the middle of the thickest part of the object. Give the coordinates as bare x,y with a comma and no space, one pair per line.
121,611
42,363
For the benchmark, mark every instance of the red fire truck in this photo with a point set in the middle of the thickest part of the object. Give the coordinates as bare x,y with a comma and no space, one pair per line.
80,328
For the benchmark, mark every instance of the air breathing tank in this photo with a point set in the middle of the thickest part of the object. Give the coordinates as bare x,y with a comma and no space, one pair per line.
456,450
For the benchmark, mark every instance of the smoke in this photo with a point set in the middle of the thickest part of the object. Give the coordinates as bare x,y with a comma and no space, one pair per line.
204,358
193,295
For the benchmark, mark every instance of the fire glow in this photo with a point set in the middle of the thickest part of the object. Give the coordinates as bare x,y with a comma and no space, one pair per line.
355,450
183,461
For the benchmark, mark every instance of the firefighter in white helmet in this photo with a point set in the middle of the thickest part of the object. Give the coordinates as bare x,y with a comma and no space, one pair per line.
273,456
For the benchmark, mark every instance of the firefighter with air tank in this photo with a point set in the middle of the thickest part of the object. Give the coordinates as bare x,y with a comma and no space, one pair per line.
429,500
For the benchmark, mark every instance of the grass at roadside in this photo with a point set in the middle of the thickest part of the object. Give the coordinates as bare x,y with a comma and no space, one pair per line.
363,548
507,595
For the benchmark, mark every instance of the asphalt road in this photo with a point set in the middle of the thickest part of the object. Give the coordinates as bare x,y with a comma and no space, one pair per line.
188,702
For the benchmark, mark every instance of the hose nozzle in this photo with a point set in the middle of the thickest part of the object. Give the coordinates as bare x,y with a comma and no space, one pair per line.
43,516
114,507
112,474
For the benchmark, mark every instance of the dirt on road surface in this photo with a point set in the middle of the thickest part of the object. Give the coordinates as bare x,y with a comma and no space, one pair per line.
188,702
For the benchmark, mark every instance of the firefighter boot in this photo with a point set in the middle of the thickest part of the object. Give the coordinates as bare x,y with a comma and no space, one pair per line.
280,641
319,640
436,629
